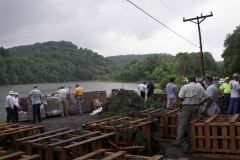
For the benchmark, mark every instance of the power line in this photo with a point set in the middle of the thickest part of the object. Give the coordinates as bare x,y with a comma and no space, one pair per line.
176,14
170,9
162,23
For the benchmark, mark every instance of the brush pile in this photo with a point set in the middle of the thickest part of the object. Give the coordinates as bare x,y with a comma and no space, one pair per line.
127,103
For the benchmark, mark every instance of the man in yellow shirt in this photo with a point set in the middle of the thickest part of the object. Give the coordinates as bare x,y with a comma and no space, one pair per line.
78,93
225,88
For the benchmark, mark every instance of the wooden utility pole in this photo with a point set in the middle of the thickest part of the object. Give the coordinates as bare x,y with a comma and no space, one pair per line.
199,20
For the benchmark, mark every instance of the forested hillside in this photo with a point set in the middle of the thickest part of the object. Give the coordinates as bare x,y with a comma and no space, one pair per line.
159,66
51,62
63,61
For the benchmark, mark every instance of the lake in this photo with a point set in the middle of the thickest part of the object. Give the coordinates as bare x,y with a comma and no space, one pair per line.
49,88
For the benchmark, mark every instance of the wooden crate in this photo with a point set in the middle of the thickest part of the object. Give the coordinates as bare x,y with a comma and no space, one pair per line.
10,132
23,145
168,121
217,136
120,123
84,147
105,155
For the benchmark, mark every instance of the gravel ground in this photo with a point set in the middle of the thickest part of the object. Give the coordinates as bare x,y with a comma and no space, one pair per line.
73,121
76,122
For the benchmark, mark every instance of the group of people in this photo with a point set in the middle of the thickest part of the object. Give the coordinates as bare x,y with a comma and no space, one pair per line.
149,89
12,107
231,91
35,96
194,96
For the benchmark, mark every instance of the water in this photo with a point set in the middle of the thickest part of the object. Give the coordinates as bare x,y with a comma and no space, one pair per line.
49,88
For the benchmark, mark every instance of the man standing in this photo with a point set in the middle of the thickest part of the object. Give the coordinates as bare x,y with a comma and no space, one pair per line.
142,87
150,89
16,106
9,107
225,88
235,95
78,93
191,94
171,90
35,98
211,106
63,101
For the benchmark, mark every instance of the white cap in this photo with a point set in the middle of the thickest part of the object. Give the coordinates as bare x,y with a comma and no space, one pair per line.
16,93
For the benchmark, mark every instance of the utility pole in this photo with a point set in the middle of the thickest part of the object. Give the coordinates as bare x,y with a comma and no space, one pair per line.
199,20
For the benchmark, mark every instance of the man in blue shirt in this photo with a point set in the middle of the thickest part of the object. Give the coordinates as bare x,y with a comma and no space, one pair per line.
172,90
35,98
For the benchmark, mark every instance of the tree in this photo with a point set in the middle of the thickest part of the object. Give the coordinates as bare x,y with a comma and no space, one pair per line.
231,52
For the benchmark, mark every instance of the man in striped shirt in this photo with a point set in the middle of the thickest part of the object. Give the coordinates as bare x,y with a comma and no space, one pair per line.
35,98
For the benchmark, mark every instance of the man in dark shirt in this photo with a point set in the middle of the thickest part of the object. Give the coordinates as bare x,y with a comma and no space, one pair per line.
150,88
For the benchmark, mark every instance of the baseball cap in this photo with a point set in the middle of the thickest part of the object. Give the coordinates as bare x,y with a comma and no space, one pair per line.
16,93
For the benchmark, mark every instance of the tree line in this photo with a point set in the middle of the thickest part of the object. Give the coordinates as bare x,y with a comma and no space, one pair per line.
64,61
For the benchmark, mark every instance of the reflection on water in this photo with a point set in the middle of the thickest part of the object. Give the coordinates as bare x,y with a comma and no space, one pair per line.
48,88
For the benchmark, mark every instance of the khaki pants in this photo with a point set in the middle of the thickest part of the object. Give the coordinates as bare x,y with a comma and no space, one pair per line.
64,106
187,114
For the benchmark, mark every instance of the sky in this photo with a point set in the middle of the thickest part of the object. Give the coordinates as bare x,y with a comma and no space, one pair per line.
118,27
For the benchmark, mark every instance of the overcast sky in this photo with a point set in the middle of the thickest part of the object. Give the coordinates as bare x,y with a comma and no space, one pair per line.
117,27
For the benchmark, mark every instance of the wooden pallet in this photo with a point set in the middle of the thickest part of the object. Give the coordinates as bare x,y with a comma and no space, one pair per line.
105,155
77,149
217,136
10,132
168,121
20,156
121,123
23,145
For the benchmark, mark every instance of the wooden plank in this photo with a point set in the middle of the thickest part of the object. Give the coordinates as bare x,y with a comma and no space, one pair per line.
216,156
42,134
51,136
12,155
88,141
92,154
32,157
114,155
157,157
73,139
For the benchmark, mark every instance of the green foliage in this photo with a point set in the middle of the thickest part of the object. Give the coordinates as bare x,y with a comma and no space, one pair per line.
231,53
159,66
63,61
52,62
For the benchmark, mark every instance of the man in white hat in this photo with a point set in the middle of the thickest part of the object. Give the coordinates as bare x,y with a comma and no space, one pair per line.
16,106
9,107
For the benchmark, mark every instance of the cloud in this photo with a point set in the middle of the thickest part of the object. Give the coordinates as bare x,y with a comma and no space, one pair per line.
118,27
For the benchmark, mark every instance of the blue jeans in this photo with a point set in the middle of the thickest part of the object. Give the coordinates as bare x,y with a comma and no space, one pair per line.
169,100
227,100
233,107
79,105
36,112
